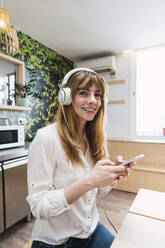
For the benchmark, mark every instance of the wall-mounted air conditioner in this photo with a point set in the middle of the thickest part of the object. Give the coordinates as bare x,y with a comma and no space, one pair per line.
100,65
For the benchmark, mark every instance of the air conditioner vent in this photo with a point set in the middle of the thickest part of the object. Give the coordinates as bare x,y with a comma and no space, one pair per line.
100,65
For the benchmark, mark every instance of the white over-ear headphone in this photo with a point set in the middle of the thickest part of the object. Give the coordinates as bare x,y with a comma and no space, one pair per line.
64,94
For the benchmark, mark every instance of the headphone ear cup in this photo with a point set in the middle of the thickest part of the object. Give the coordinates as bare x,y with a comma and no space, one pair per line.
64,96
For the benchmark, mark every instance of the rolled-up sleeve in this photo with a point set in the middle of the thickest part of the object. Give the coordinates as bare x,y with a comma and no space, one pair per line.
44,199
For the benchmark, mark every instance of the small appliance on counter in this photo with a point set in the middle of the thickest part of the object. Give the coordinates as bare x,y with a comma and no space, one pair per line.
11,136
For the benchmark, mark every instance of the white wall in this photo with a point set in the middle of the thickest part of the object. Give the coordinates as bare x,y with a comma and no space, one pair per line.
6,68
121,117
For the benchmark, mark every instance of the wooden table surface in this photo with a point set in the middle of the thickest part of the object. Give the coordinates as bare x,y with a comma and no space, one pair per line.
140,232
144,225
149,203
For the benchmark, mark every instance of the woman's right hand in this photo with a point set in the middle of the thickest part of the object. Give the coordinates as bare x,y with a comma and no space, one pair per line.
104,173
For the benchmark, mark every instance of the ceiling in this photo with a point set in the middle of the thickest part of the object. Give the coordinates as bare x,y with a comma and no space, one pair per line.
80,29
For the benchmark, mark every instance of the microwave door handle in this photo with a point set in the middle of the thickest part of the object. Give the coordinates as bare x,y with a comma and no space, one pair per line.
15,164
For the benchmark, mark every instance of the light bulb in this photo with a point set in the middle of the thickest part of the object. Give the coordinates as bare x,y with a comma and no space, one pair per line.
2,24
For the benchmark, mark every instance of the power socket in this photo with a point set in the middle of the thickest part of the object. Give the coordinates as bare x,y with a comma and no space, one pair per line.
21,121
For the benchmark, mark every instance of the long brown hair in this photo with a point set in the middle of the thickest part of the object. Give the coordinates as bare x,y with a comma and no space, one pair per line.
94,129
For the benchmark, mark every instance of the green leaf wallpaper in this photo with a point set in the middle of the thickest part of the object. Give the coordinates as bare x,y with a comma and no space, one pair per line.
51,68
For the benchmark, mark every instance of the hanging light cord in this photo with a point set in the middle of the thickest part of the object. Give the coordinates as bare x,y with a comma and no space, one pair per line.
1,5
105,213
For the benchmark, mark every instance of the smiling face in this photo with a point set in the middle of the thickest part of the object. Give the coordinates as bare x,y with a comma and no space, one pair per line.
88,92
86,103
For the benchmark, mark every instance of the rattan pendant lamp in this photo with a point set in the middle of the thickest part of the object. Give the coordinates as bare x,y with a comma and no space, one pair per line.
8,37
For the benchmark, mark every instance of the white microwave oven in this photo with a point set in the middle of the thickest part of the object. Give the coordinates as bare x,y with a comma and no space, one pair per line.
11,136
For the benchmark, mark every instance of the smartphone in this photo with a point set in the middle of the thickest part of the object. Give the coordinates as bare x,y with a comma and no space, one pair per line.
132,159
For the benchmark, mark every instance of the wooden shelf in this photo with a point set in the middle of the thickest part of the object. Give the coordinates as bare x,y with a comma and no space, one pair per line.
20,66
116,102
121,81
14,108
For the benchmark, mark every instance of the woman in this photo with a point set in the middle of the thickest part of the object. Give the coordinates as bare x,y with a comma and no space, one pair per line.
69,167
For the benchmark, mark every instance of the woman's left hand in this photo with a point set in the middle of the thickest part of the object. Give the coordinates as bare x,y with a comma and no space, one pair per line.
128,169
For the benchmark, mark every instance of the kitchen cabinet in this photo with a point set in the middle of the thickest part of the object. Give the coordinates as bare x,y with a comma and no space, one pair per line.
1,203
15,182
13,187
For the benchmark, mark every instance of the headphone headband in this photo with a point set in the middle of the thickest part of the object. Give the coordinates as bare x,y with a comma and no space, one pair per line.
70,73
64,94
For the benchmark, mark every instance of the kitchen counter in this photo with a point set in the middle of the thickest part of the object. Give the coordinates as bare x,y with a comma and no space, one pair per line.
13,153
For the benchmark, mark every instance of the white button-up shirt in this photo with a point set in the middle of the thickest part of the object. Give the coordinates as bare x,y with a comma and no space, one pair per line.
49,173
